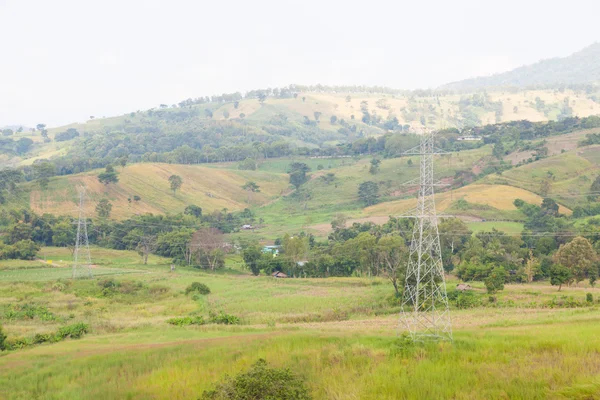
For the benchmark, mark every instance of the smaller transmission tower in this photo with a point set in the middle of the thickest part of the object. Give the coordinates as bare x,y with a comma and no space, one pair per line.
82,260
425,313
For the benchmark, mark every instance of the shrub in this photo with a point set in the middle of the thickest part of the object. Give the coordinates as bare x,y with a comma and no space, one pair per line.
260,382
2,339
29,311
197,287
184,321
466,300
589,298
74,331
222,318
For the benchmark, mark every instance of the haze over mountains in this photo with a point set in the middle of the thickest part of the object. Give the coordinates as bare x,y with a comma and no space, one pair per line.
580,68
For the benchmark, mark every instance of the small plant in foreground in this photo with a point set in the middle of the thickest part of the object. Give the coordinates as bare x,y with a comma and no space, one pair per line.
260,382
589,298
197,287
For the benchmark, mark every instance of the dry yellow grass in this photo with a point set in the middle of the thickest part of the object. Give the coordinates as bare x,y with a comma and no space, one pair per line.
210,188
497,196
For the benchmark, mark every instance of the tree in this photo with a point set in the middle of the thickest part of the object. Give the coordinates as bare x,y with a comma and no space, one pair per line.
560,275
251,187
532,267
339,222
225,114
23,145
498,150
236,104
103,209
42,172
206,247
108,176
64,235
252,256
145,246
495,280
40,127
348,99
193,210
317,115
298,173
578,256
208,113
549,207
375,163
333,119
595,190
368,192
545,187
175,181
393,255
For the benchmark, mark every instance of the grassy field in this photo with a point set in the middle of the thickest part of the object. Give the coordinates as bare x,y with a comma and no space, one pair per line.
339,334
210,188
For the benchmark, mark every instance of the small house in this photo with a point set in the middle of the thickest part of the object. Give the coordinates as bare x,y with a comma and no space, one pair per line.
278,274
247,227
461,287
274,250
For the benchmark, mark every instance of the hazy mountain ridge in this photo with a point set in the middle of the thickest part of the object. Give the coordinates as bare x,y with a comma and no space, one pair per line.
580,68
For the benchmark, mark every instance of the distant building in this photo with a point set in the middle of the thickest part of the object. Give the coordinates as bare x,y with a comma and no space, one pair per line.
468,138
271,249
461,287
247,227
278,274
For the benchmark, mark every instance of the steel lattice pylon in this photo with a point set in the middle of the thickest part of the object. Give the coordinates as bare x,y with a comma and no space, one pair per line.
425,313
82,260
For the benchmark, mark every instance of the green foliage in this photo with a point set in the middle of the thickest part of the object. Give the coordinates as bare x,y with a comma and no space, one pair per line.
2,339
29,311
247,164
589,298
175,181
108,176
184,321
260,382
197,287
495,281
252,256
368,193
223,318
298,173
375,163
74,331
104,208
560,275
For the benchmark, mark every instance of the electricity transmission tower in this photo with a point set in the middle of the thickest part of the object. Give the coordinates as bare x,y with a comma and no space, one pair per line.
81,256
425,313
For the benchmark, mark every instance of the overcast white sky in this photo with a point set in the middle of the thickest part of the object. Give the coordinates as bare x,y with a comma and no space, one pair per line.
64,60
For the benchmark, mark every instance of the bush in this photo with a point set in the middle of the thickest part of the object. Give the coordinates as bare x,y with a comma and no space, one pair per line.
589,298
260,382
222,318
2,339
197,287
184,321
74,331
